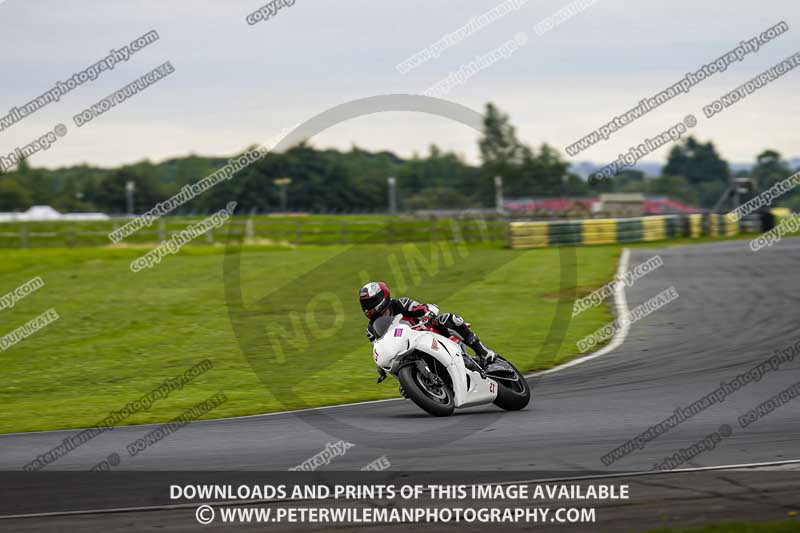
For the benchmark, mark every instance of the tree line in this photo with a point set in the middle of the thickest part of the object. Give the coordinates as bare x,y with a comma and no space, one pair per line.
334,181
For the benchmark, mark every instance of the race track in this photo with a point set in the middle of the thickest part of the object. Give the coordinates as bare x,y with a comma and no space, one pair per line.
735,309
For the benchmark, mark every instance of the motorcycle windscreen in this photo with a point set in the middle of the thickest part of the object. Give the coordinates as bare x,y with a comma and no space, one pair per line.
382,325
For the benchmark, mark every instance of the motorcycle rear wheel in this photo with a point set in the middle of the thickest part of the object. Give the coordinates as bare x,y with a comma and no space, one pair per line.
437,401
512,394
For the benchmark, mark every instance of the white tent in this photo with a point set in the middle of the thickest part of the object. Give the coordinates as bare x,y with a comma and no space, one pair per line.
39,213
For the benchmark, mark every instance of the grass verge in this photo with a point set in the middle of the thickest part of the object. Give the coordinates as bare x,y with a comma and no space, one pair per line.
122,333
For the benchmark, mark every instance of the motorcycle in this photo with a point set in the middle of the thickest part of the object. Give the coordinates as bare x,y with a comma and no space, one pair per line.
438,375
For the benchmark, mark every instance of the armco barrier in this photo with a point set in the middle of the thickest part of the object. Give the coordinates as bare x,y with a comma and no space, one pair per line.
614,230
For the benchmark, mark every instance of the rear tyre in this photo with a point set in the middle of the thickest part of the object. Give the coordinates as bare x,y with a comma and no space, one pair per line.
436,400
513,391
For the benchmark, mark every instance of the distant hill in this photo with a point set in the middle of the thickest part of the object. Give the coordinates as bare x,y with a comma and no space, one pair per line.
652,169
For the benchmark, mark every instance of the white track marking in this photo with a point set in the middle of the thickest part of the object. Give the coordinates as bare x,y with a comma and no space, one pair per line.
621,308
620,302
216,419
194,505
621,305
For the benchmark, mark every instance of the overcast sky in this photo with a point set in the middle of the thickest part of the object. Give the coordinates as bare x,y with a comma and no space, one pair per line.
235,84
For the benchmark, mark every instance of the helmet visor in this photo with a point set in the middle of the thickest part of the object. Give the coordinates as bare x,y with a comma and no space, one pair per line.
370,303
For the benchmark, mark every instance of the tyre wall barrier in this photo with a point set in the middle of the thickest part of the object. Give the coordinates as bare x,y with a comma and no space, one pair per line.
618,230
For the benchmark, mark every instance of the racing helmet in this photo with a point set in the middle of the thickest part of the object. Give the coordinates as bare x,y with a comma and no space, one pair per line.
374,298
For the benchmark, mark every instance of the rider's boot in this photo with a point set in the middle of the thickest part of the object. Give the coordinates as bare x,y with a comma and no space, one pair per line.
457,324
486,355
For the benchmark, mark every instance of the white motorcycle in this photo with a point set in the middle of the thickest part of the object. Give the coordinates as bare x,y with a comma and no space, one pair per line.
432,370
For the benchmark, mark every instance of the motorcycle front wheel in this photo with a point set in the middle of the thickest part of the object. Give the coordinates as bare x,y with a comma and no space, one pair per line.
433,398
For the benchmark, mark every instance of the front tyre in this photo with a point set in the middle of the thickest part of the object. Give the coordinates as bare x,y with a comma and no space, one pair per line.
434,399
513,391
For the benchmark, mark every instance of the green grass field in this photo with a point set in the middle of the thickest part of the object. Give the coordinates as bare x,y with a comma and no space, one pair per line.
314,229
120,334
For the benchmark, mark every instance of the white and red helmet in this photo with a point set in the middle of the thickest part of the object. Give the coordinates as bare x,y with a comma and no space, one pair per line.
374,298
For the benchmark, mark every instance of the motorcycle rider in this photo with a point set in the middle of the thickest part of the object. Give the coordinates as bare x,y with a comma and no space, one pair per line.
376,301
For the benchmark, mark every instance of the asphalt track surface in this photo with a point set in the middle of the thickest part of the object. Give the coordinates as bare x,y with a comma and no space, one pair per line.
735,308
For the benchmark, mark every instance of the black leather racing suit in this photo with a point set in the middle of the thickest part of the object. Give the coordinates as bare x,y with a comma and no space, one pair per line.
445,323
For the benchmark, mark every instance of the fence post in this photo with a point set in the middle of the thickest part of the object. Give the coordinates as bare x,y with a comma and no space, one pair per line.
162,230
466,230
457,238
249,234
389,231
23,235
70,236
343,233
298,232
482,229
210,236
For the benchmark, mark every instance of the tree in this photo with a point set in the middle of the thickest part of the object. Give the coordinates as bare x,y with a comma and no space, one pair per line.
13,197
440,171
499,145
770,169
574,185
697,162
542,173
792,202
39,187
110,193
192,169
501,152
629,179
676,187
439,198
525,171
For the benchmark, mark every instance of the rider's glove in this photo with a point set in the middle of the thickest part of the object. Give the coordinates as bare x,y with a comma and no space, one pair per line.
428,318
381,374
